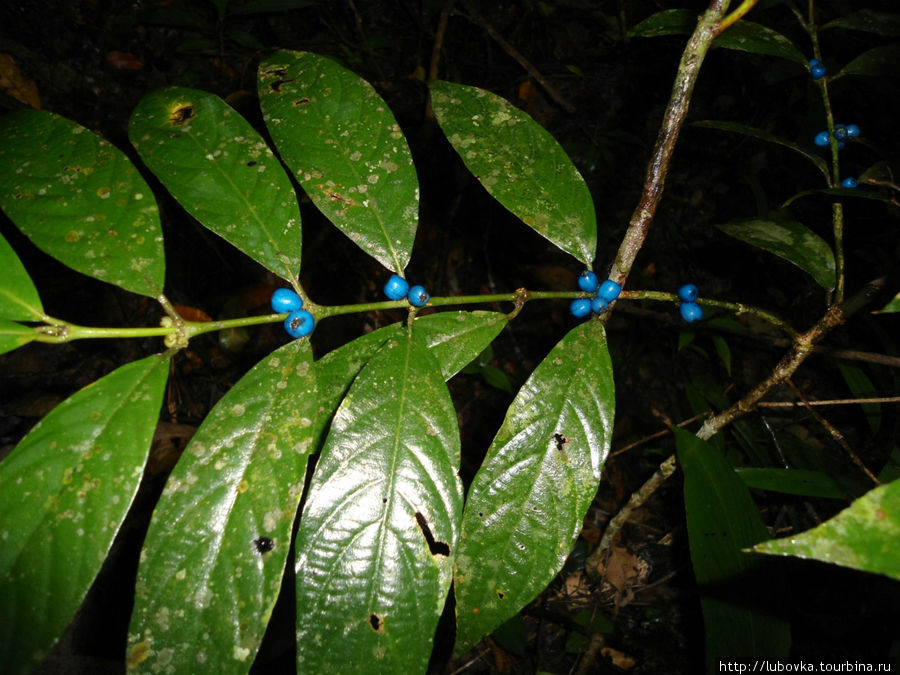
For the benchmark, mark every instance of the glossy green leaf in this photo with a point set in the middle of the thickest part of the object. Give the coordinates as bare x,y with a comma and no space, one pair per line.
345,148
13,335
520,164
864,536
753,132
18,297
880,23
66,488
880,61
722,520
666,22
527,502
222,172
80,200
378,533
454,338
746,36
789,240
841,193
803,482
892,306
215,552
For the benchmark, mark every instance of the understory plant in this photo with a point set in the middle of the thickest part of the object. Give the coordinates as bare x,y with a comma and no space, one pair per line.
382,530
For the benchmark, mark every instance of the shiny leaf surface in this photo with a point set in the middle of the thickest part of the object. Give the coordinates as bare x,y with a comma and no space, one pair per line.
520,164
19,298
864,536
527,502
80,200
66,489
222,172
215,552
722,520
454,339
876,62
13,335
790,240
345,148
379,529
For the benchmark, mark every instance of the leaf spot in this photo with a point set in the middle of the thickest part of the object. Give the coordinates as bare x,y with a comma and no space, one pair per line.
263,545
560,441
376,622
182,115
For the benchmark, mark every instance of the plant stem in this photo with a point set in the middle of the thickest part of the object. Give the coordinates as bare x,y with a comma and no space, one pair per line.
708,28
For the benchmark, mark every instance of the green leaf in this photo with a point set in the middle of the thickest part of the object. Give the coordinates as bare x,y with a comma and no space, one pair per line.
842,193
345,148
722,520
753,132
527,502
454,339
724,352
80,200
378,533
520,164
803,482
892,306
864,536
880,23
18,297
789,240
666,22
746,36
877,62
222,172
66,489
215,552
13,335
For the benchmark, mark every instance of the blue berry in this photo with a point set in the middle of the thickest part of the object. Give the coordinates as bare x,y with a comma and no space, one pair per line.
599,305
821,139
580,307
609,290
286,300
688,292
587,281
299,323
852,131
840,132
691,311
849,183
418,296
396,288
817,71
814,62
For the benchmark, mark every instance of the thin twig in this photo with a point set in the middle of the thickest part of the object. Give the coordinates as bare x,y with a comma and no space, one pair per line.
658,434
828,402
835,434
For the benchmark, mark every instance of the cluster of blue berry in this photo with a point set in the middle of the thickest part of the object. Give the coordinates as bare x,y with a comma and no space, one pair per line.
690,310
605,293
842,133
398,288
299,322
